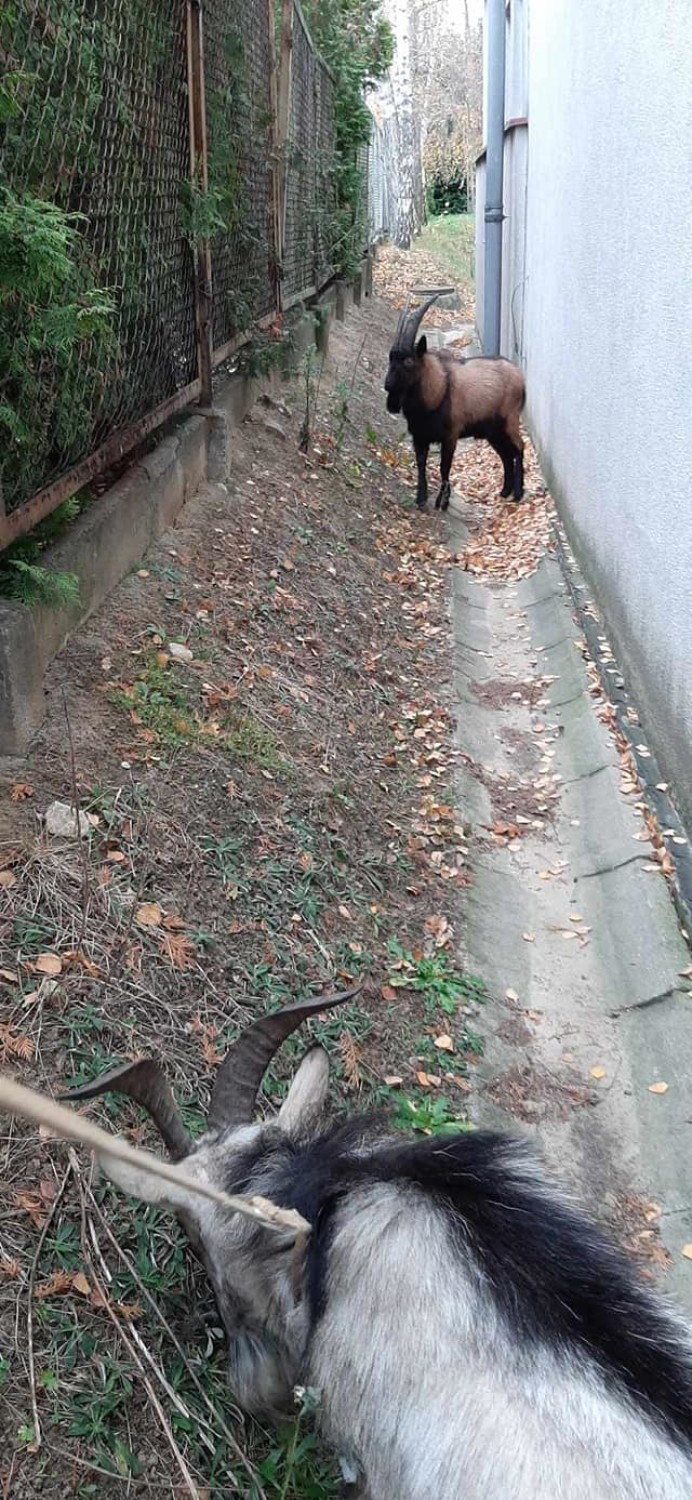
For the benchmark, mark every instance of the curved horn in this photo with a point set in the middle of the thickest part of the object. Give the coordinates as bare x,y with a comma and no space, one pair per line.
145,1082
401,325
415,319
237,1082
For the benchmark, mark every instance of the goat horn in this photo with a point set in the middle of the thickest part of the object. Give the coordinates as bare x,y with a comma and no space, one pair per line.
145,1082
70,1126
415,319
403,315
237,1082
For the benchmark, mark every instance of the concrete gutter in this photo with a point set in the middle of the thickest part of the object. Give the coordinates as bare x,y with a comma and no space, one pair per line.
576,936
111,537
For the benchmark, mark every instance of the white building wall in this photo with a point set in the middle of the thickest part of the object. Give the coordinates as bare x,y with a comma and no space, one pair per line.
603,305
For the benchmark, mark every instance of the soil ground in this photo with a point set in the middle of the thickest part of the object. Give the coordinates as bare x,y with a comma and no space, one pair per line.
273,812
272,815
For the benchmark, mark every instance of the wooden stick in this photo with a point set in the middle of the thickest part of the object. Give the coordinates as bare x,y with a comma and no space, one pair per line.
67,1124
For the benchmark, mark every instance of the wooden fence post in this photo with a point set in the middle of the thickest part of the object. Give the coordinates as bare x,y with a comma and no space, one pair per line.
199,177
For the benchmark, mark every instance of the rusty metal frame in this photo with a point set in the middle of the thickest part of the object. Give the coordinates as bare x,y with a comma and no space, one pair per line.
117,446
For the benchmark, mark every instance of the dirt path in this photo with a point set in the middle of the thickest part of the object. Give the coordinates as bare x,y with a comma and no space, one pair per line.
273,811
271,814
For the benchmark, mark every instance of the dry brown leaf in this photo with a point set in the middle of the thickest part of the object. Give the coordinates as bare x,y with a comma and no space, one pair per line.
444,1043
174,924
48,963
31,1203
387,992
14,1043
423,1079
179,950
7,880
149,914
511,995
687,1252
351,1057
598,1073
9,975
56,1286
81,1284
658,1088
21,791
127,1310
393,1081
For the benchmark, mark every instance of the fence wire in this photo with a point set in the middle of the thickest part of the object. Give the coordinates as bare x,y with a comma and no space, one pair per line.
325,187
100,220
300,178
238,62
99,326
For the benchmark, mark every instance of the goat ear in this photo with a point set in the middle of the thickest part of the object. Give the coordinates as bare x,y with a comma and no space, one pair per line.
421,346
307,1095
137,1182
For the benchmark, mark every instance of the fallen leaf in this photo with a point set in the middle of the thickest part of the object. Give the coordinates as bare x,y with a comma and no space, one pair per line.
81,1284
56,1286
423,1080
32,1204
9,975
351,1055
48,963
178,949
7,880
598,1072
393,1081
387,992
687,1252
149,914
658,1088
444,1043
115,856
21,791
511,995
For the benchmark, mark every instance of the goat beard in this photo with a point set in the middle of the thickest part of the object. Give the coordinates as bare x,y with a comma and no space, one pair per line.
393,402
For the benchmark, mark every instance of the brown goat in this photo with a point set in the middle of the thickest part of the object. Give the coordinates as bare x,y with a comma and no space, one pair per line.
444,398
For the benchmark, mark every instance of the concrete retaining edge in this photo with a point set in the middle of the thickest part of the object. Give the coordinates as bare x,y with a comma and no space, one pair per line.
112,536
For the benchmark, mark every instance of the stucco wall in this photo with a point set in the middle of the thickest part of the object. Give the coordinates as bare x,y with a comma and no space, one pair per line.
608,326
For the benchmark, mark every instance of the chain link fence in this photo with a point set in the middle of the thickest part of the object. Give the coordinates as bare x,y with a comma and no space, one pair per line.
106,199
238,70
97,309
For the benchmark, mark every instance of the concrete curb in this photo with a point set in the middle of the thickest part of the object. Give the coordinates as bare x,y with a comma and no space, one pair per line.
648,770
580,1034
111,537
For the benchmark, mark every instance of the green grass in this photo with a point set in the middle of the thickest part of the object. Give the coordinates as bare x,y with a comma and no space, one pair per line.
450,239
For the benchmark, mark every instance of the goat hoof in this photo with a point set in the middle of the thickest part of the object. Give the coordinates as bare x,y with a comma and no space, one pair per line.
421,505
505,493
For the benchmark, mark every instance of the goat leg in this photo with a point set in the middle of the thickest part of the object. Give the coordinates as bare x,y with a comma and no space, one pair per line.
518,487
446,456
422,491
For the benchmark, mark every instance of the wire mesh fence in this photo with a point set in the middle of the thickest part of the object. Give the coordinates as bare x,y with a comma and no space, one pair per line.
98,320
298,263
238,69
105,205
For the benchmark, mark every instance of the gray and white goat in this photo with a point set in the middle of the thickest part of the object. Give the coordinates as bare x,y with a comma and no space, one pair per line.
472,1336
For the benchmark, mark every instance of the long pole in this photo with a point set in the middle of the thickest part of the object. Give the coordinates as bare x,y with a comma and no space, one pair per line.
494,166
